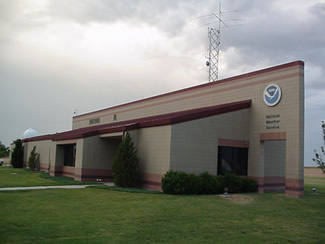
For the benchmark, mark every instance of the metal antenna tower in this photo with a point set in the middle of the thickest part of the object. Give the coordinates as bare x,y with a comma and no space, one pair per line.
213,53
213,48
214,34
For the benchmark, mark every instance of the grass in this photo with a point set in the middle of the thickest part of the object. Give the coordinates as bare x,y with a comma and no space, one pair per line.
10,177
314,181
123,189
100,215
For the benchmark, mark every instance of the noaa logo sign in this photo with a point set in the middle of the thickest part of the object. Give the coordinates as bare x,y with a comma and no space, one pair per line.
272,95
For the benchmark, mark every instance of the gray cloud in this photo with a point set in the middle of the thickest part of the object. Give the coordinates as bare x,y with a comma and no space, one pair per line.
169,16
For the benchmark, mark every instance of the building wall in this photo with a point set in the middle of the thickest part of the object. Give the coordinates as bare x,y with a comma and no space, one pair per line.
162,147
194,144
97,158
290,111
99,153
153,151
44,149
57,166
215,93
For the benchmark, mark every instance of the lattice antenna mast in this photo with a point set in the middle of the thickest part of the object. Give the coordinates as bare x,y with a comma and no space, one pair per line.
213,53
213,48
214,34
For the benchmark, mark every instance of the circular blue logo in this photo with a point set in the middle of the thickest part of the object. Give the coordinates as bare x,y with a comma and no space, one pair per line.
272,95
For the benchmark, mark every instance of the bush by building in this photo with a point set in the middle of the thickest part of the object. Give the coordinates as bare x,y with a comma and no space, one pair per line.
125,164
248,185
212,184
34,161
182,183
17,156
4,151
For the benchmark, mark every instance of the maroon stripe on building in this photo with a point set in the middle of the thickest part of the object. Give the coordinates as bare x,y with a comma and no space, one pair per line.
233,143
273,136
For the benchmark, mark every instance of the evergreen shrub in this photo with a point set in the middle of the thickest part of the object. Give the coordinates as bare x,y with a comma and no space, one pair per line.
17,156
125,164
34,161
248,185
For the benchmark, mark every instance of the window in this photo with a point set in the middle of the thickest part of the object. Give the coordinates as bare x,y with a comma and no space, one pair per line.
94,121
69,155
114,117
232,160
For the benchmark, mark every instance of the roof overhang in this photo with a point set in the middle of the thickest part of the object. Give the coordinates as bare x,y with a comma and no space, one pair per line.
151,121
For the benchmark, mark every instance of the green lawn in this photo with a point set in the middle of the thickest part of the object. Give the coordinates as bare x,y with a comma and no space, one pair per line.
10,177
315,181
98,215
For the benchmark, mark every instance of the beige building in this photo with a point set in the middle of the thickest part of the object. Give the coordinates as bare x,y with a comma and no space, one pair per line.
251,125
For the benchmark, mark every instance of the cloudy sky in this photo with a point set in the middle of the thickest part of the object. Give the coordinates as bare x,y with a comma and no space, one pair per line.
62,56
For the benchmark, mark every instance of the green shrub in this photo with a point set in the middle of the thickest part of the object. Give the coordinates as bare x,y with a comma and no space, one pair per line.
194,184
212,184
17,156
179,183
4,151
33,161
169,182
248,185
220,184
233,183
175,182
125,164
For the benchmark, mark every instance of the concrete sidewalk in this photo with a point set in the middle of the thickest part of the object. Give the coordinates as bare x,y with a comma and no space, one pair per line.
22,188
43,187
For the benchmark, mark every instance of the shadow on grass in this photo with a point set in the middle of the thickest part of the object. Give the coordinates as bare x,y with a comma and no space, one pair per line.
64,180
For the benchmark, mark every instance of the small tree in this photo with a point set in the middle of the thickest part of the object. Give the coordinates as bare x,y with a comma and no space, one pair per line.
33,161
318,157
125,164
17,157
4,151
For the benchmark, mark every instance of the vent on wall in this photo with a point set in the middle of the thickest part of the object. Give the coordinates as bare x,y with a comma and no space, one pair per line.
94,121
114,117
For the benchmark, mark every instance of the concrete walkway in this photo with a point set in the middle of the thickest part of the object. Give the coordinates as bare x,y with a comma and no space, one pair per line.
43,187
22,188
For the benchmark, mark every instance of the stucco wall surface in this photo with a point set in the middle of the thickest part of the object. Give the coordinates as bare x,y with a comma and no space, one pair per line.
194,144
44,148
98,153
153,148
